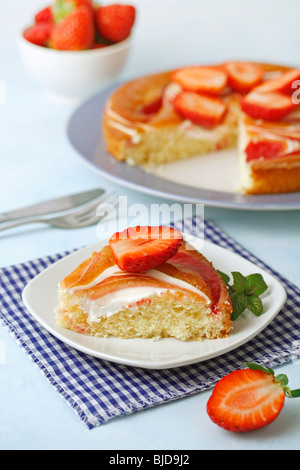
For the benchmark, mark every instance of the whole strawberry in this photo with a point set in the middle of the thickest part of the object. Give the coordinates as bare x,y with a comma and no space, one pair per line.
114,22
75,32
39,33
44,16
62,8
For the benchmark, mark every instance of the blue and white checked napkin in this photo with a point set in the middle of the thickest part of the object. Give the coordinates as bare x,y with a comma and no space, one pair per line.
99,390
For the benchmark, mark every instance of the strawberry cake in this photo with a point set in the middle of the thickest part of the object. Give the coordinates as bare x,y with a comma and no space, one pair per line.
147,282
196,110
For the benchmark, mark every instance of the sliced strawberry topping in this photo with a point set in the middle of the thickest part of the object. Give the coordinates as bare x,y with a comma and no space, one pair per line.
209,275
283,130
283,84
201,79
266,149
243,76
246,400
153,107
269,106
128,281
202,110
138,249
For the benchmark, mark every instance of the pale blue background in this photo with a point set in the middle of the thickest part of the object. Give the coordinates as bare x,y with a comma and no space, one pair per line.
37,163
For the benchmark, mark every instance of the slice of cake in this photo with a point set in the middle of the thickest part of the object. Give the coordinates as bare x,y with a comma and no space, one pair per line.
269,155
167,290
196,110
269,138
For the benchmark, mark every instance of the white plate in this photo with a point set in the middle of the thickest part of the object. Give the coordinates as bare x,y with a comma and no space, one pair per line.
40,297
210,179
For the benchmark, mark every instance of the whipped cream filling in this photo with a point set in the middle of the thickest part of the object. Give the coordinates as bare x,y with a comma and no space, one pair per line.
118,300
200,133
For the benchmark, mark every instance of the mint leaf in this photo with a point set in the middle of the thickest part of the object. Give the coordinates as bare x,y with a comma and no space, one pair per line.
250,290
254,304
257,282
245,292
239,282
225,277
238,304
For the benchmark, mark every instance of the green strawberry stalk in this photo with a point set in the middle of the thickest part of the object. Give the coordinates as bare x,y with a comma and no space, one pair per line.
61,9
245,292
281,379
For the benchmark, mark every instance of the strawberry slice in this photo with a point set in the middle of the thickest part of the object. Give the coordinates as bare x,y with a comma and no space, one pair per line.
248,399
265,150
202,110
204,269
153,107
201,79
138,249
282,84
243,76
269,106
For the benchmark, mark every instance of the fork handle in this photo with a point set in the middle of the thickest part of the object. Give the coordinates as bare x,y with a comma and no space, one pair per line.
17,223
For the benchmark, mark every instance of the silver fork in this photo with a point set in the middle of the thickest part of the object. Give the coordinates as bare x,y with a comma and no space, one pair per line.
89,215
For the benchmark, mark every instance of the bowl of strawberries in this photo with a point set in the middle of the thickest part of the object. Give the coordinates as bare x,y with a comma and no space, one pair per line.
75,48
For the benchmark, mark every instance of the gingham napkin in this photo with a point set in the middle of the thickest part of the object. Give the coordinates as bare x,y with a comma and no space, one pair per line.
98,390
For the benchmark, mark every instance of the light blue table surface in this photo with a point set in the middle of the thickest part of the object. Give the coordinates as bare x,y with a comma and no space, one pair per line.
37,162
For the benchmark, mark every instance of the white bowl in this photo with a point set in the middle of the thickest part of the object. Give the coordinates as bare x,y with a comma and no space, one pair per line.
74,75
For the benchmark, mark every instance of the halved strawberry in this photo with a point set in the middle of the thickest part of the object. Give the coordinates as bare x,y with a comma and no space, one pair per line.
248,399
282,84
201,79
267,106
202,110
243,76
138,249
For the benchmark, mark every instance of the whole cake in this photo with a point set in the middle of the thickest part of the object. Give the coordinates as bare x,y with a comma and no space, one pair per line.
147,282
196,110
